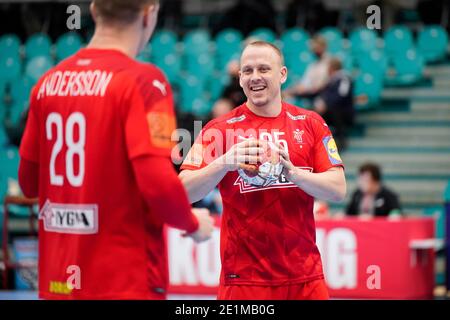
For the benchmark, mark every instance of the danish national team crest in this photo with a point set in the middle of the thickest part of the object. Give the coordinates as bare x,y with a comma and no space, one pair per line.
298,136
332,151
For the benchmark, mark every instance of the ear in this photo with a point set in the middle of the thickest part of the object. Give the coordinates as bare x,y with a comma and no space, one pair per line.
145,17
240,79
93,11
284,74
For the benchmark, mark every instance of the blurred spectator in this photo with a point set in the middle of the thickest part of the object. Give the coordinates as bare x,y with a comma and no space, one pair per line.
316,75
335,102
372,198
248,15
232,95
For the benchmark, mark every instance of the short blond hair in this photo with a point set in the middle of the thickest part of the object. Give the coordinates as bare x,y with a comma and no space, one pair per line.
260,43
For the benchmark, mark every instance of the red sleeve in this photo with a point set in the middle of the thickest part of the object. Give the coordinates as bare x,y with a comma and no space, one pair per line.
29,178
29,146
163,192
149,115
326,154
206,148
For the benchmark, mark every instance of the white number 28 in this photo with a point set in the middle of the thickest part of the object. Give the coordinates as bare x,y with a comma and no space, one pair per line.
73,147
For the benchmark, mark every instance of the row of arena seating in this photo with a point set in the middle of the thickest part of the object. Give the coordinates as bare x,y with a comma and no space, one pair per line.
196,63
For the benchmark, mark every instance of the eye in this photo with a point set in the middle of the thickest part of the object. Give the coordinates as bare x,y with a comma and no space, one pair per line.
264,69
247,71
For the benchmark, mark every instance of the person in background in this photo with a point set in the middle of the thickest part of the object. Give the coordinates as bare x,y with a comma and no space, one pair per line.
335,102
316,75
372,198
232,94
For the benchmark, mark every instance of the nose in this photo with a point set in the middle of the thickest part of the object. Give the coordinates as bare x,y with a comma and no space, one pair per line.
255,76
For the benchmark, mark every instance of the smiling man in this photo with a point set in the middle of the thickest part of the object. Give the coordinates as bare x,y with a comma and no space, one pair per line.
268,247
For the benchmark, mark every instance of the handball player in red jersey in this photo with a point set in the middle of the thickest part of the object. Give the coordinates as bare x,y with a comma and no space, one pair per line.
268,248
96,150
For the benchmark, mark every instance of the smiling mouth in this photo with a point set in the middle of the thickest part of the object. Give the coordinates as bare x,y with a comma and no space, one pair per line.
257,88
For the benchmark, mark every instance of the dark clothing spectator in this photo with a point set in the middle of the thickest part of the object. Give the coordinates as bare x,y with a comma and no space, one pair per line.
382,204
338,109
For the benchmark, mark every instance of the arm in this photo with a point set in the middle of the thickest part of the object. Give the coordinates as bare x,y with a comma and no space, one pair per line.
329,185
163,192
29,178
198,183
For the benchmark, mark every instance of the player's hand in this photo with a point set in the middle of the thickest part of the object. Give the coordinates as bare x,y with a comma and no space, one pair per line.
289,170
242,154
205,225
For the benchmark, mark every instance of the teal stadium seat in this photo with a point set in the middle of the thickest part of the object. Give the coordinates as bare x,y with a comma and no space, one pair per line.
374,62
68,44
397,40
171,66
201,65
216,84
200,108
10,68
297,64
37,45
432,43
228,46
294,41
9,46
191,88
163,42
408,68
20,89
9,166
196,41
263,34
37,66
363,40
368,85
334,38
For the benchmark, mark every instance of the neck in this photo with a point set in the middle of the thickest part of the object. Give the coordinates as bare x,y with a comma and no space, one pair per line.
272,109
124,39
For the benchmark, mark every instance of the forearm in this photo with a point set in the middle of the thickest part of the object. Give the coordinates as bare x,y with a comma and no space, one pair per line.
198,183
328,186
163,192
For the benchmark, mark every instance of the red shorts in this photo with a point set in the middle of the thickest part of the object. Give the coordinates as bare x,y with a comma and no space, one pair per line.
311,290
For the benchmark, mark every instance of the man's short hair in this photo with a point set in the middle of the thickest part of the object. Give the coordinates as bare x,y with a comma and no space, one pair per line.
335,64
121,11
320,40
260,43
371,168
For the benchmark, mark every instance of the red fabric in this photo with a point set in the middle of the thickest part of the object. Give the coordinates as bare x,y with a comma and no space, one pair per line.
311,290
115,240
160,199
268,234
29,178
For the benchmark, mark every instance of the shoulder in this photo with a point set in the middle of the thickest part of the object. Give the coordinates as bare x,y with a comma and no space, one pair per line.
228,120
386,192
298,113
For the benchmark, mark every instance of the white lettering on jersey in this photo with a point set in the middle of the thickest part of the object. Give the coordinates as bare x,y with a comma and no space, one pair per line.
161,86
74,83
70,218
299,117
236,119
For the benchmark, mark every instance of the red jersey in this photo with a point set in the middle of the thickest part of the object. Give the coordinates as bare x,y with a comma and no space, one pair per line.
89,117
268,234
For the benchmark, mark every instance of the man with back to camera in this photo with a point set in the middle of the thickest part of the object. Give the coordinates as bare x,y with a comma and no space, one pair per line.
96,149
268,248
